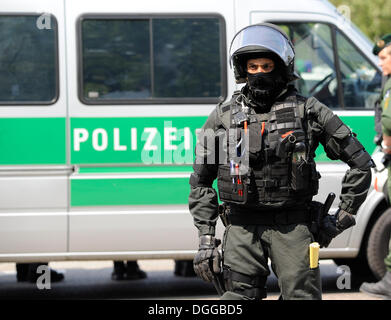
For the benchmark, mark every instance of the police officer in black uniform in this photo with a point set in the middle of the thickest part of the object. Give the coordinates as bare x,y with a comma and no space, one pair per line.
260,146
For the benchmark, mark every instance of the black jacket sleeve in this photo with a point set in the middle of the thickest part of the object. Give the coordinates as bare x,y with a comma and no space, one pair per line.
341,144
203,201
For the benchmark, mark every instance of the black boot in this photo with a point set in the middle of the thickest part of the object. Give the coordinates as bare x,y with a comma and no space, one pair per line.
33,275
118,271
22,270
381,289
56,276
184,268
133,272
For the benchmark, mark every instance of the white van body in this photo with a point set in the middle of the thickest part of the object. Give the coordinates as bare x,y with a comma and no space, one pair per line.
48,210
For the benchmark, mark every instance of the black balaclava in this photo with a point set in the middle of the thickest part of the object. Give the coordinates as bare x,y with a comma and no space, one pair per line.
264,88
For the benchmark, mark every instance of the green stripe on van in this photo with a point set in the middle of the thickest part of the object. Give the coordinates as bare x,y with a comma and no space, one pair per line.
32,141
154,191
180,169
120,192
108,141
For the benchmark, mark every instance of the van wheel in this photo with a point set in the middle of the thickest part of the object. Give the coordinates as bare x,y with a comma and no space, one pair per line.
358,266
378,242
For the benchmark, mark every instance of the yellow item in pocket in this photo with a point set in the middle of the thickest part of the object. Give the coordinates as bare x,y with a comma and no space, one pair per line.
386,103
386,100
314,255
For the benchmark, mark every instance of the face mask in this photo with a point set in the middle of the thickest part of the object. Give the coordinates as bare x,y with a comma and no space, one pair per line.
265,87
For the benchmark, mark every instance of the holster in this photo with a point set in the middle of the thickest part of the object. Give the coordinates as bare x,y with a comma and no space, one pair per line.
224,214
316,214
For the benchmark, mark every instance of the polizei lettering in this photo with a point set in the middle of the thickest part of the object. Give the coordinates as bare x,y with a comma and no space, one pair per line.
124,141
163,145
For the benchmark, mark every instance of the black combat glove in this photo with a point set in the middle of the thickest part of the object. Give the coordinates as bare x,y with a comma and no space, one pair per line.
207,260
333,225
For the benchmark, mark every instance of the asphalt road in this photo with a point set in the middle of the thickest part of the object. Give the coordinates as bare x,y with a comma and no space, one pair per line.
92,280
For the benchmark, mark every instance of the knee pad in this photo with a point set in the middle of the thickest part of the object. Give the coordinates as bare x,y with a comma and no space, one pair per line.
244,285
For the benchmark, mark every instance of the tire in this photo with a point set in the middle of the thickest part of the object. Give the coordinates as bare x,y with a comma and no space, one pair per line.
358,266
378,242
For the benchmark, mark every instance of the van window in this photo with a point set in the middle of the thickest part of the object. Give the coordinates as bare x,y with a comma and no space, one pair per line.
360,80
159,59
28,59
314,61
316,54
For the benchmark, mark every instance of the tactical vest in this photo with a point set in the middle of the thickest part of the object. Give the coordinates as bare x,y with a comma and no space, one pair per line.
279,167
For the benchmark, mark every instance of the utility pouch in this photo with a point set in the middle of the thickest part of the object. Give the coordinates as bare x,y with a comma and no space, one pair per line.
300,175
232,188
255,143
287,142
303,175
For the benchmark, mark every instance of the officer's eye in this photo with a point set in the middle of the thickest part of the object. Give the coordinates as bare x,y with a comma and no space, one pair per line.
267,66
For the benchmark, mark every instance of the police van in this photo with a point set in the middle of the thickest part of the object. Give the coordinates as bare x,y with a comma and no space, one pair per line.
101,102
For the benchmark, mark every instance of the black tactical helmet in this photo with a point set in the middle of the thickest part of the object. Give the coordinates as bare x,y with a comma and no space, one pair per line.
266,39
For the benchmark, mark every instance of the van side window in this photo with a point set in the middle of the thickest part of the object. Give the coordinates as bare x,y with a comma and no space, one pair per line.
28,59
331,69
152,60
360,81
314,61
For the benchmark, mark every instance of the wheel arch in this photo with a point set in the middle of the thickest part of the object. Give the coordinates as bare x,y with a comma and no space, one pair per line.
366,217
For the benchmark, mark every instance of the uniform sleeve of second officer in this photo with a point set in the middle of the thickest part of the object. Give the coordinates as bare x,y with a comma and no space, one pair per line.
340,143
203,202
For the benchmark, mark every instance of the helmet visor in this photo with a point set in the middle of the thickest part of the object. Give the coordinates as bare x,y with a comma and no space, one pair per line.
260,37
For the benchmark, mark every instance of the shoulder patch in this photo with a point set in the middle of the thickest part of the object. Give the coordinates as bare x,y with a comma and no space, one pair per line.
223,110
224,114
